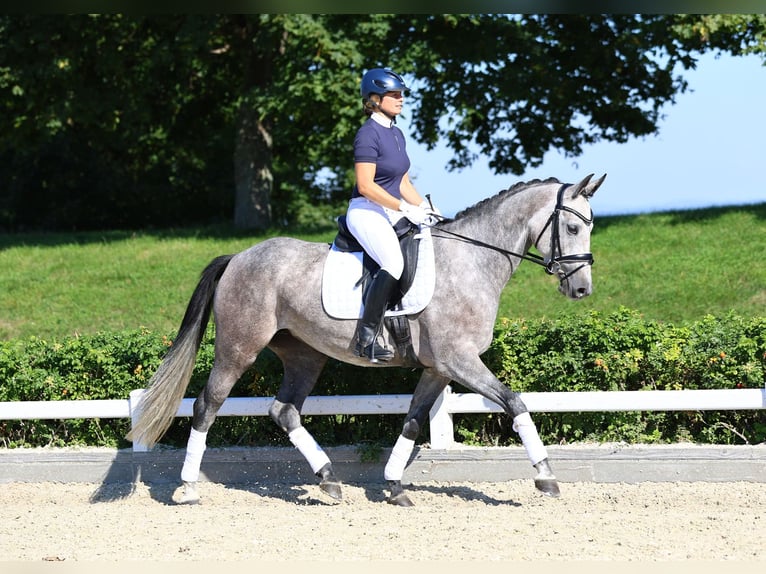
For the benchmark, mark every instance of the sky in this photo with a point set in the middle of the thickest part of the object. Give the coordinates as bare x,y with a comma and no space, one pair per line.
710,151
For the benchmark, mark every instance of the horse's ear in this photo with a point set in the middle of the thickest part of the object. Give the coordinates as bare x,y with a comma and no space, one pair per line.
587,188
578,188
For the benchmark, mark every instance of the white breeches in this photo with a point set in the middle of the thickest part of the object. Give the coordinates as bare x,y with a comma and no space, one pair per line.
372,225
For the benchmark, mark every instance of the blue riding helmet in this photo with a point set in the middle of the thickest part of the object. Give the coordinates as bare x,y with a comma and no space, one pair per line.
381,80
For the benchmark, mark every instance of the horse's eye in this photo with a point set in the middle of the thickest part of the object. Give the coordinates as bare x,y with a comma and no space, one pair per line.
573,229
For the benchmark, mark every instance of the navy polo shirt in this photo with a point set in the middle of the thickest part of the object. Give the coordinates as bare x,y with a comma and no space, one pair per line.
386,148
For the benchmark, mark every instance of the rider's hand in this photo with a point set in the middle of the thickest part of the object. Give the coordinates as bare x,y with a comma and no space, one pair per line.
425,204
434,215
414,213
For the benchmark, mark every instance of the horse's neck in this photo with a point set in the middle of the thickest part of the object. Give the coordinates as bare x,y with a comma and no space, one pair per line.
503,227
503,223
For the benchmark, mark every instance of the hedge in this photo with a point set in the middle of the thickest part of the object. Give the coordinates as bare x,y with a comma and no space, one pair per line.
617,351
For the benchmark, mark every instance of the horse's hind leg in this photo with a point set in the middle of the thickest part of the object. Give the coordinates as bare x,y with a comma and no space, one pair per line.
426,392
224,374
302,367
237,345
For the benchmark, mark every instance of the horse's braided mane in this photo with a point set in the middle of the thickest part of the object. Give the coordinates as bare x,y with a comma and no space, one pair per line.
515,188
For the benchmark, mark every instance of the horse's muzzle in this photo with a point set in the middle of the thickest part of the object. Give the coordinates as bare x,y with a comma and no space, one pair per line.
575,283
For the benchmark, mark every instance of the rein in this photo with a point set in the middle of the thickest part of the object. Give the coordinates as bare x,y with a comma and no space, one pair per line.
552,265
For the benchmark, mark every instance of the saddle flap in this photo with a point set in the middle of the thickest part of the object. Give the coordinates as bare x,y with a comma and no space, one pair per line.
342,292
406,231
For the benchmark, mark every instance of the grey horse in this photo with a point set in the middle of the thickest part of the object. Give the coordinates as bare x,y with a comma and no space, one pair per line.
269,296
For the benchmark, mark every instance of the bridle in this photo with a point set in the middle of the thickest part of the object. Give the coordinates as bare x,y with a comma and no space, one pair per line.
553,263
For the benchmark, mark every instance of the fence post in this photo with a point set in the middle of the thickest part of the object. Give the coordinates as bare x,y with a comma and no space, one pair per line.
440,425
133,403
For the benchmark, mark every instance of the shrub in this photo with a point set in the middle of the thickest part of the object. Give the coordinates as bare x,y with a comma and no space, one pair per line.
621,351
618,351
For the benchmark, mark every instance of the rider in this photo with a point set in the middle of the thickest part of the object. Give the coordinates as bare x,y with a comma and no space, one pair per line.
382,195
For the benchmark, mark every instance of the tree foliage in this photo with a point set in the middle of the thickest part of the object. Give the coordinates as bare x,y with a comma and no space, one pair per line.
125,121
513,88
110,121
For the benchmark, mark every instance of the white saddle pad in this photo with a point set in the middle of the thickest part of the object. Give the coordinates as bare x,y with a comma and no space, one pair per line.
342,300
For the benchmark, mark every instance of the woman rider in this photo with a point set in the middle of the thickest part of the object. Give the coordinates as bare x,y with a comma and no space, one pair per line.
382,195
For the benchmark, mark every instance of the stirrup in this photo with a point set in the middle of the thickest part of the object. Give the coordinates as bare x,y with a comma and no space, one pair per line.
374,352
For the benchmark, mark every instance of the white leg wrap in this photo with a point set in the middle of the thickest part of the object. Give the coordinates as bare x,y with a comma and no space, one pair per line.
308,447
195,448
527,430
398,460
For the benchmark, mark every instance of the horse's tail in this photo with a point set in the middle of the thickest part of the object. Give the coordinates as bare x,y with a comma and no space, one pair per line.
166,389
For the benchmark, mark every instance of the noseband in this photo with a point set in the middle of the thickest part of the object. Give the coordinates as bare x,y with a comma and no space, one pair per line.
552,264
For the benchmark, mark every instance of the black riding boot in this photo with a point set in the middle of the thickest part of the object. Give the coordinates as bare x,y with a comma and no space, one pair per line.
376,300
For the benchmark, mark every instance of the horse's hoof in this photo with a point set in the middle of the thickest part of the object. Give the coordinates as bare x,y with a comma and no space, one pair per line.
400,499
332,489
548,486
186,494
398,496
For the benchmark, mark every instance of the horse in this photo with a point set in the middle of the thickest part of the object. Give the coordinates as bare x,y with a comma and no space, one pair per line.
268,296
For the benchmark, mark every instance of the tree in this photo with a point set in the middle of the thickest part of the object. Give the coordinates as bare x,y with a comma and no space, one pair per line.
159,106
103,122
111,120
297,110
514,87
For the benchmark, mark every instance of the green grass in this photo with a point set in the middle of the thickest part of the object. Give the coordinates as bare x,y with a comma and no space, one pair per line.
62,285
674,267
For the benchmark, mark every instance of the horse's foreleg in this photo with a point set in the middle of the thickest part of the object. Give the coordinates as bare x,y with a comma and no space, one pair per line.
426,392
545,481
473,374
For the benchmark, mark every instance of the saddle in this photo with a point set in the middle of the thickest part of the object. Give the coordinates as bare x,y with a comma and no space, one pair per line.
406,232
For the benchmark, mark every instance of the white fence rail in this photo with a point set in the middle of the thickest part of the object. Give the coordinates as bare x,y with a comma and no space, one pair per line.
441,428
